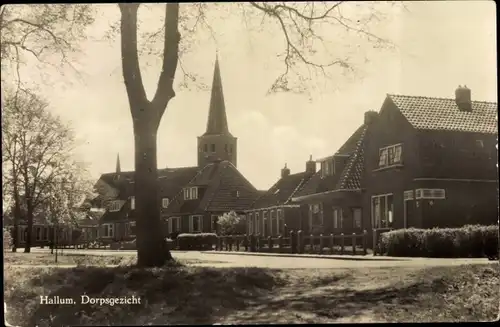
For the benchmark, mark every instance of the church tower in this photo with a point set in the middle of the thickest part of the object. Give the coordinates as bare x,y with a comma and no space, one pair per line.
217,143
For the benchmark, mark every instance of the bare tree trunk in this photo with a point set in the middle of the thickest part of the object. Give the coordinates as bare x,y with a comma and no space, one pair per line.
151,247
17,217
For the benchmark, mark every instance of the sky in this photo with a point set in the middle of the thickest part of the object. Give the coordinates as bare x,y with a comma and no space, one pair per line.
439,46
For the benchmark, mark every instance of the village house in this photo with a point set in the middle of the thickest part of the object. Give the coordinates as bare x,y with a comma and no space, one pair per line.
191,197
273,213
419,162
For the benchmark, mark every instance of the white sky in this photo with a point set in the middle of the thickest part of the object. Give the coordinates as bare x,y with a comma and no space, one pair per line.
442,45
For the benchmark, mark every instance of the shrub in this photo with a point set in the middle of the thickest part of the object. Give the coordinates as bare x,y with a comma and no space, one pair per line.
466,242
231,223
7,239
202,241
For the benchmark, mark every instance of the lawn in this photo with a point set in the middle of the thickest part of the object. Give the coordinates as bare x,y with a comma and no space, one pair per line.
80,259
178,294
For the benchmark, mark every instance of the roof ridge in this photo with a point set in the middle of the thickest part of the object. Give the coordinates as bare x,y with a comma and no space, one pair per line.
435,98
302,181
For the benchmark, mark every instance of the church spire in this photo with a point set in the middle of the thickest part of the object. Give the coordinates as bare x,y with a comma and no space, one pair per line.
118,168
217,119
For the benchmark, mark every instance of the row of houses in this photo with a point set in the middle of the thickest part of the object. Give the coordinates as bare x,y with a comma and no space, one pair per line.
416,162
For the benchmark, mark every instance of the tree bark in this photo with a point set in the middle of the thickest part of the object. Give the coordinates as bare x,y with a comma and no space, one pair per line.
29,214
152,248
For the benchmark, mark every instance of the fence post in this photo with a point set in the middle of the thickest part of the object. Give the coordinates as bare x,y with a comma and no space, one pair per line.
300,242
332,243
321,244
280,243
311,242
293,242
353,243
270,243
365,235
374,237
342,242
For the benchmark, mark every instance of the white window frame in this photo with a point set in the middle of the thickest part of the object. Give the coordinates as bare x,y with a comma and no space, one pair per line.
257,224
388,213
170,224
338,217
316,208
273,219
430,193
191,223
131,224
110,231
115,206
132,203
385,158
327,167
360,210
190,193
264,220
165,202
213,224
408,195
280,218
249,223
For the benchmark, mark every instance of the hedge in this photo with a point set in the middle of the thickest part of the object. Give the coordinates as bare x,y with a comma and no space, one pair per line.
471,241
202,241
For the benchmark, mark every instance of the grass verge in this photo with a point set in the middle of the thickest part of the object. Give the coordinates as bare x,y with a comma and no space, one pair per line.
178,294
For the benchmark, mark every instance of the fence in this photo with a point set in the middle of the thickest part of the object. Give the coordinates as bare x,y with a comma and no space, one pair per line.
296,242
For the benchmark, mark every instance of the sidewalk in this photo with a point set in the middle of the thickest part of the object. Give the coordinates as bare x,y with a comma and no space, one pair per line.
368,257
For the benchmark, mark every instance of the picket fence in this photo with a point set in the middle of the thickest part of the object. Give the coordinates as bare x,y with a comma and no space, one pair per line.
296,242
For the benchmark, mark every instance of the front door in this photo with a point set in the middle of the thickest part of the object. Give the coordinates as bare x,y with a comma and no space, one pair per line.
409,212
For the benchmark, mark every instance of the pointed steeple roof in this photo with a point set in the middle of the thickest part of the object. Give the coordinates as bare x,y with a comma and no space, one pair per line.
118,167
217,119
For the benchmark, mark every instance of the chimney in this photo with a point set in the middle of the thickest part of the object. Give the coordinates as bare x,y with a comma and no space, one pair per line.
285,172
463,98
310,165
370,117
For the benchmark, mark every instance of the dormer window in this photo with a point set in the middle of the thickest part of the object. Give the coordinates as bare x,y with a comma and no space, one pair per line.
327,168
114,206
190,193
165,202
132,202
212,147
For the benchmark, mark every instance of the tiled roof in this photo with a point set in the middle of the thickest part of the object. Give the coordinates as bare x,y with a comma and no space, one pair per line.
283,190
221,188
350,177
443,114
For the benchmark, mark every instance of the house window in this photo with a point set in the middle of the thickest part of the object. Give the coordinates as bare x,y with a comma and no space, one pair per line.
131,228
174,224
213,220
212,147
114,206
205,147
46,233
356,217
165,202
195,224
273,226
316,214
264,223
337,218
24,234
390,155
426,193
327,168
249,223
382,211
190,193
132,202
281,222
108,230
408,195
257,223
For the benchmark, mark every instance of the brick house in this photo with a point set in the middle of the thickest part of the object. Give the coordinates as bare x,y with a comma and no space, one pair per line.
419,162
273,213
191,197
333,195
